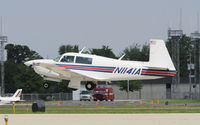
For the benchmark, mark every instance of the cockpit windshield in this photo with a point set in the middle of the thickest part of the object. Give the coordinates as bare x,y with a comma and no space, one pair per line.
57,58
67,59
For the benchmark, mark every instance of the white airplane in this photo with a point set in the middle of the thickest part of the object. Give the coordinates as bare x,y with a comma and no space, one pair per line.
14,98
78,67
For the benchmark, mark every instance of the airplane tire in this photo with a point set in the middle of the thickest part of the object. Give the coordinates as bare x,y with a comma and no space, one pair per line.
46,85
90,85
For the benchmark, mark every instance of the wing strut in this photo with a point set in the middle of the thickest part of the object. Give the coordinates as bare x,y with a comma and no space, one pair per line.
81,50
121,57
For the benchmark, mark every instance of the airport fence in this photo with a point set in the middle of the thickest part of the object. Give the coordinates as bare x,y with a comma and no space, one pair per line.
47,97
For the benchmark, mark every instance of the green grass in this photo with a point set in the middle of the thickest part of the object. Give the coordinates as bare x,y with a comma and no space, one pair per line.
147,101
105,109
173,101
175,106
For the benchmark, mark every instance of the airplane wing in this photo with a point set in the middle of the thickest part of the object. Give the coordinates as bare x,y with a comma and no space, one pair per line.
63,72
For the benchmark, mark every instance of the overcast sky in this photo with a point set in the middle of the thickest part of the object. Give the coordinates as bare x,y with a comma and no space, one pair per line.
44,25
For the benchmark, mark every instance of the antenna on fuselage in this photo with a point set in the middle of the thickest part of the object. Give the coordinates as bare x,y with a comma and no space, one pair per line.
81,50
121,57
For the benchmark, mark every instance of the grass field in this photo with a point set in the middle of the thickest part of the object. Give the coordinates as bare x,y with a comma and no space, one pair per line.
174,101
175,106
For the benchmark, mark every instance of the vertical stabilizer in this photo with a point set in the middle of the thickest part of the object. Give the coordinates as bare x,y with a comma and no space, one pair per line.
159,55
17,93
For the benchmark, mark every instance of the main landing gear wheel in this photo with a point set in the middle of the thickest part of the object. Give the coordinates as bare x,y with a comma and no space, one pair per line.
90,85
46,85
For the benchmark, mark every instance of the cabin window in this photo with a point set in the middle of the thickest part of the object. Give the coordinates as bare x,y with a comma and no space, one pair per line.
84,60
57,58
68,59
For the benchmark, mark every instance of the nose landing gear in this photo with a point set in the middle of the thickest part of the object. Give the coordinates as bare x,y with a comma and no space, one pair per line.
46,85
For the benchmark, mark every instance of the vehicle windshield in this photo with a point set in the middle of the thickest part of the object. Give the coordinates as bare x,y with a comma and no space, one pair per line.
57,58
85,92
99,90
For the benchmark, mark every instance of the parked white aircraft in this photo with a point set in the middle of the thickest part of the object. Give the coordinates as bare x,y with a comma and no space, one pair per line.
14,98
78,67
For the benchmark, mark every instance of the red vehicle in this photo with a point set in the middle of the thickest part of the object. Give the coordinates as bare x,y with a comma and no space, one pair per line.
103,93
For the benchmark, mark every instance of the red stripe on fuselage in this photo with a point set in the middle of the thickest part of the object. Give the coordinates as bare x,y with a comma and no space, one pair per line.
160,73
17,94
87,68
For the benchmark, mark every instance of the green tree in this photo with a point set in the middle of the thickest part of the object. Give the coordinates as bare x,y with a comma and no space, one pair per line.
144,53
18,53
62,87
135,53
28,80
11,70
132,52
104,51
134,85
17,75
68,48
185,49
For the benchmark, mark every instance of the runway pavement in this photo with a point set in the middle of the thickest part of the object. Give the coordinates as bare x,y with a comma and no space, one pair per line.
102,119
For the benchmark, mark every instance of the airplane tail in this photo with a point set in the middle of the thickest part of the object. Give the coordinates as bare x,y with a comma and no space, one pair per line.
17,93
159,56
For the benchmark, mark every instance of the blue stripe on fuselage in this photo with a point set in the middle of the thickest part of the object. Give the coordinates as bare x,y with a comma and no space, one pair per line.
156,70
87,66
91,70
76,67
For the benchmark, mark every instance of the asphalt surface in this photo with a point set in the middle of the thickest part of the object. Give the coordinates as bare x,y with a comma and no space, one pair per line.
100,119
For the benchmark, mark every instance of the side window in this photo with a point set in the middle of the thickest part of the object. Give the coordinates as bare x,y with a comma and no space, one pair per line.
57,58
83,60
68,59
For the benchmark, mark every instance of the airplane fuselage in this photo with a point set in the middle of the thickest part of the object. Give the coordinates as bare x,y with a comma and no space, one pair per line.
78,67
9,99
106,69
14,98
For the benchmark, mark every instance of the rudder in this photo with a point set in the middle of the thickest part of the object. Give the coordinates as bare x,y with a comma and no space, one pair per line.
159,55
18,93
